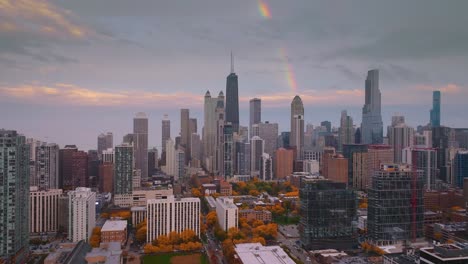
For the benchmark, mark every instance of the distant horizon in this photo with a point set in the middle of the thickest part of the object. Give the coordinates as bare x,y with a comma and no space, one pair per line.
80,68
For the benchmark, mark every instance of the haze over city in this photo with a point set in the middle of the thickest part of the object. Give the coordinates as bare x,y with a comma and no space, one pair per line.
73,69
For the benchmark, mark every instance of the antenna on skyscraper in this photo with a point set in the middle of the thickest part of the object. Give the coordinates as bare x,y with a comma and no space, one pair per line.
232,63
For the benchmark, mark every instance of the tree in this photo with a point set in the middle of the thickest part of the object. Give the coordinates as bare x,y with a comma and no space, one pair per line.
211,218
141,234
95,238
196,192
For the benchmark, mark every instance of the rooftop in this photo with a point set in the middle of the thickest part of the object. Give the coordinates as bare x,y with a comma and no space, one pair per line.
114,225
253,253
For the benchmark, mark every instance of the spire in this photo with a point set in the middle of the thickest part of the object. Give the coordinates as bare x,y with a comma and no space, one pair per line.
232,63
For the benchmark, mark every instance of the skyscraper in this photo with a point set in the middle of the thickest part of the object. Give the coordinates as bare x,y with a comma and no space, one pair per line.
256,151
266,168
140,132
255,113
47,166
243,158
14,197
79,175
105,141
165,132
461,167
284,159
296,138
229,155
346,130
232,99
185,132
372,125
326,124
123,169
435,111
210,129
269,133
65,166
153,158
400,136
424,159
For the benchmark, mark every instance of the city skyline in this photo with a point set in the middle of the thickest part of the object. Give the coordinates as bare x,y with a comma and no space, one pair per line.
54,74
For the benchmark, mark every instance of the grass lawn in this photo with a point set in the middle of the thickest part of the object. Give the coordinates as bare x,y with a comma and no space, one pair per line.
176,258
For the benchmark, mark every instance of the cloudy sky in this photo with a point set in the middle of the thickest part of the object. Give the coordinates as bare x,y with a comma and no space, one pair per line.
71,69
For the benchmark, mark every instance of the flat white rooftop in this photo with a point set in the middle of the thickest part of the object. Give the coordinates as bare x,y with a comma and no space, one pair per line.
253,253
114,225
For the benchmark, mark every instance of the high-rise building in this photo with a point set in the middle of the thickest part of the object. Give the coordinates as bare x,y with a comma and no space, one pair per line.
424,159
105,141
219,145
108,155
229,152
284,159
326,124
243,158
140,132
47,166
93,168
179,165
435,111
106,177
357,161
82,214
65,167
357,136
170,167
232,99
441,139
185,132
461,167
328,210
153,158
346,130
227,212
400,136
14,197
33,144
165,132
338,169
43,210
210,129
80,175
196,149
296,138
284,140
269,133
266,168
376,155
398,119
256,152
193,126
396,208
372,125
255,113
170,214
123,169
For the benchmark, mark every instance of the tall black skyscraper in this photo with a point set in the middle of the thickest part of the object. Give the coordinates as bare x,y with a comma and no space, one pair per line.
232,99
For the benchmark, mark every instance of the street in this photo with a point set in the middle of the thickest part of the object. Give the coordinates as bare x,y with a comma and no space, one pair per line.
293,247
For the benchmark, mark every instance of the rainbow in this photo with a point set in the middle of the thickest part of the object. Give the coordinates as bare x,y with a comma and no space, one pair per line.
290,77
264,9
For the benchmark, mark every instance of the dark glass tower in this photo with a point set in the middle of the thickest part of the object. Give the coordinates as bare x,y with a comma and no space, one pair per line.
372,126
232,99
435,111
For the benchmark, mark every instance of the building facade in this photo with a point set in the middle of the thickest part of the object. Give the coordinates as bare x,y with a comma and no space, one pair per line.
284,163
14,197
227,212
396,208
327,212
372,125
43,210
47,166
82,214
232,99
255,113
123,169
172,214
140,137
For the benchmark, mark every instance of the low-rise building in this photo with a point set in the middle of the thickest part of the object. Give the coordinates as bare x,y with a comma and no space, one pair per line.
106,253
69,253
225,188
253,253
209,188
442,254
250,214
139,197
114,231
